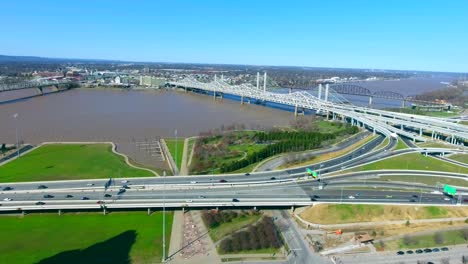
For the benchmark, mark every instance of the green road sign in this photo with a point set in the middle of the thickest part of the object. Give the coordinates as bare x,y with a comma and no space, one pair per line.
450,190
311,172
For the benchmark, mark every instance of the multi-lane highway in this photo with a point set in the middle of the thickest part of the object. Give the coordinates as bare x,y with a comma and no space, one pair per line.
269,194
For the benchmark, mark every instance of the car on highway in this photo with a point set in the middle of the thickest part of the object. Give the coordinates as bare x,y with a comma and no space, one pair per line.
465,200
235,200
48,196
400,253
124,181
8,188
40,203
435,250
447,199
357,194
202,196
90,184
42,186
273,178
7,199
193,182
418,251
412,200
444,249
414,196
69,196
388,196
100,202
84,198
247,174
409,252
222,180
351,197
189,201
107,195
121,190
126,186
427,250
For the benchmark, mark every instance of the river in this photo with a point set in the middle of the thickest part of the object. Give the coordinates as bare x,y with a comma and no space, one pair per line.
127,117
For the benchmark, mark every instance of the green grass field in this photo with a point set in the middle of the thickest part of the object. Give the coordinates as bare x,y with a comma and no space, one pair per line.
412,161
225,229
88,238
171,145
426,180
330,126
452,237
401,145
459,157
464,123
67,162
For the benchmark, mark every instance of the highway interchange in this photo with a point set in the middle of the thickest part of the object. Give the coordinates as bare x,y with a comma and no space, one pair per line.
283,188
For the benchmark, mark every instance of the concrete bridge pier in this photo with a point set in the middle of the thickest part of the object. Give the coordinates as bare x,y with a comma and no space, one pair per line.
59,212
290,90
40,90
403,104
149,211
432,135
298,111
373,131
242,100
370,101
420,132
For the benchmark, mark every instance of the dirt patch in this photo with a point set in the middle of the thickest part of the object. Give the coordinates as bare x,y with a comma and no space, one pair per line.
351,213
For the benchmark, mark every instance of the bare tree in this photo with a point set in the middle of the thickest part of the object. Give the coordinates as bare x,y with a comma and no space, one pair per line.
408,240
439,238
464,233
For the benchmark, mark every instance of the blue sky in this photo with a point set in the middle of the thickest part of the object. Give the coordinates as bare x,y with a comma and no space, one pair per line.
411,35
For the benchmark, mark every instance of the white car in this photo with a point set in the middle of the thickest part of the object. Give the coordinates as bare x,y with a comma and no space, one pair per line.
193,182
90,184
446,199
188,201
124,181
7,199
351,197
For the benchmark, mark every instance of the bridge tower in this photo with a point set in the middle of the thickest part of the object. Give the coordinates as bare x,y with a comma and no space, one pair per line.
258,80
327,87
320,91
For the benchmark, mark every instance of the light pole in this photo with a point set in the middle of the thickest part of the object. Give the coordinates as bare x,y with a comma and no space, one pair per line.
164,216
15,116
177,167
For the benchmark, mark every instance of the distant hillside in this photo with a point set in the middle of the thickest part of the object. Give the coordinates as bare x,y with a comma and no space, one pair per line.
35,59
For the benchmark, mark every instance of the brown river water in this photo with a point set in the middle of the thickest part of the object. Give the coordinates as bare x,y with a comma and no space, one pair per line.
127,117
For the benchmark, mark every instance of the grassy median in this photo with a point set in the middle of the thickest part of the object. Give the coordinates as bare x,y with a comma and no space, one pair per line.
412,161
171,145
89,238
68,162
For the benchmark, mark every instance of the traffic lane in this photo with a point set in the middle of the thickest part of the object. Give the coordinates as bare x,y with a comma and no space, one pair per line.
341,160
291,193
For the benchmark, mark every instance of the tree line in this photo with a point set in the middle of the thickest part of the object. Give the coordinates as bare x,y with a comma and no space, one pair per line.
259,236
214,218
285,141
